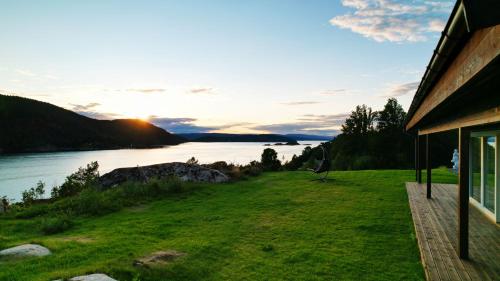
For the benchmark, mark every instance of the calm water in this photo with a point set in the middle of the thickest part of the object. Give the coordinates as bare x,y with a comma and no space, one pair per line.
22,171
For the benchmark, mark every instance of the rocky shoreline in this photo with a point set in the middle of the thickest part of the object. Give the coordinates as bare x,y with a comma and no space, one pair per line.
183,171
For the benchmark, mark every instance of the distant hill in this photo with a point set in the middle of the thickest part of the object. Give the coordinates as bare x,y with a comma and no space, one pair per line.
28,125
303,137
200,137
218,137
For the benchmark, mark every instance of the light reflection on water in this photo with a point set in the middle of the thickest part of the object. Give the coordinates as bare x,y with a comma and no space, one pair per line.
21,171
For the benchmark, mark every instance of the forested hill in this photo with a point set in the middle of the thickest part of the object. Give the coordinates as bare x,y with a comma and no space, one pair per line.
221,137
28,125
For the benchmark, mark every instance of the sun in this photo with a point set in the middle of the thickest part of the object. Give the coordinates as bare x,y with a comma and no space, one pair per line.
143,117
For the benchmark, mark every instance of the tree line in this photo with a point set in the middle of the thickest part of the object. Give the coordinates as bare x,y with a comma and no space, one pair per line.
374,140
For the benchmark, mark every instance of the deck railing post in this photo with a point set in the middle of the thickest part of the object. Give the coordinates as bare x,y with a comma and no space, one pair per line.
428,162
463,193
418,162
416,158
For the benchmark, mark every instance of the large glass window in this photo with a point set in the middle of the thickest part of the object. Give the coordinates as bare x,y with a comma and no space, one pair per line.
489,173
475,188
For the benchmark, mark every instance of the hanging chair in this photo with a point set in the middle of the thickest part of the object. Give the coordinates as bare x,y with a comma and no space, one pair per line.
323,165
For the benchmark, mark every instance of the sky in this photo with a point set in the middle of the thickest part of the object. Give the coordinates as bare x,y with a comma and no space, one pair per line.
260,66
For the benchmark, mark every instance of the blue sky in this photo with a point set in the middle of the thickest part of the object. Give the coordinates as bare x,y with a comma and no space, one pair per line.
229,66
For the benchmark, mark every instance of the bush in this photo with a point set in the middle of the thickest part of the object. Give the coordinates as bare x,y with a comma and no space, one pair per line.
192,161
4,204
236,172
253,169
56,225
77,181
33,194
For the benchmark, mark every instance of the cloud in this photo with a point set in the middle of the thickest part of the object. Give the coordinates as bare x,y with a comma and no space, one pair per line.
300,103
147,90
325,120
308,124
401,89
99,115
26,73
201,90
394,20
436,25
87,107
88,110
180,125
296,128
333,92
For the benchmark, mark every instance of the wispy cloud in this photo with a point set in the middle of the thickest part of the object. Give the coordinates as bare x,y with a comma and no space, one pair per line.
188,125
202,90
89,110
293,103
147,90
99,115
296,128
394,20
32,75
398,90
334,92
26,73
308,124
89,106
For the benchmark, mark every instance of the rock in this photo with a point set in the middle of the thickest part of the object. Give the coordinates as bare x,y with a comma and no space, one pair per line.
161,257
26,250
91,277
183,171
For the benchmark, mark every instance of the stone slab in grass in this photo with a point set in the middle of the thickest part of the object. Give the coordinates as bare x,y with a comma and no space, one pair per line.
91,277
26,250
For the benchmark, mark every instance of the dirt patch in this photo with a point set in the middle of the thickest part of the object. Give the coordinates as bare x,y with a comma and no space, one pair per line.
158,258
138,208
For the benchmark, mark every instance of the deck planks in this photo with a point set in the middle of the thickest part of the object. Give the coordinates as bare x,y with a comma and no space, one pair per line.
436,225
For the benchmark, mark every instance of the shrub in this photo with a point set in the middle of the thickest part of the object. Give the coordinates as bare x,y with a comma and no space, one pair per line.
4,204
253,169
77,181
33,194
56,225
192,161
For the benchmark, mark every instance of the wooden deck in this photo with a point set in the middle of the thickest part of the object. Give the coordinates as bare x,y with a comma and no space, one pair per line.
436,228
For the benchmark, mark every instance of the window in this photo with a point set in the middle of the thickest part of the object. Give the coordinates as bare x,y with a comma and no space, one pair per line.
475,187
489,173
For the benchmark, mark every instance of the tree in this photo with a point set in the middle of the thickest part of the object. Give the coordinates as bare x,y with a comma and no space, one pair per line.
269,160
392,118
33,194
77,181
360,121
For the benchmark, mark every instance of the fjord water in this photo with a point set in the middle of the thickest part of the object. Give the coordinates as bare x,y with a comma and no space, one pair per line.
19,172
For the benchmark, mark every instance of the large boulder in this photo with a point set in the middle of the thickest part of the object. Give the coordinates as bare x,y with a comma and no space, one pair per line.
26,250
183,171
91,277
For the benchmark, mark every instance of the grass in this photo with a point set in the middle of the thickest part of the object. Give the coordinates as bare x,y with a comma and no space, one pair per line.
278,226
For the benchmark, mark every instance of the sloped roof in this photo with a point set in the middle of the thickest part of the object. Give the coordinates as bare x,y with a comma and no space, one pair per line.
466,17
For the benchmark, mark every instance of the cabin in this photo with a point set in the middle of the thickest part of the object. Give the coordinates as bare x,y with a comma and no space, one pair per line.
460,91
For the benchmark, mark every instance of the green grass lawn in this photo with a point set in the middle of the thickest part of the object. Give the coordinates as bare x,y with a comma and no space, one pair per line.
278,226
